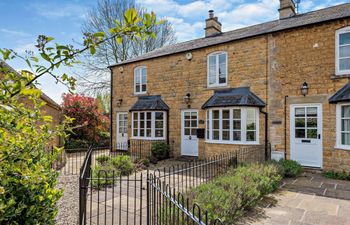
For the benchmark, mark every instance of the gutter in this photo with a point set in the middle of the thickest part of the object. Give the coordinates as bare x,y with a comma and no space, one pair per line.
111,112
285,125
266,133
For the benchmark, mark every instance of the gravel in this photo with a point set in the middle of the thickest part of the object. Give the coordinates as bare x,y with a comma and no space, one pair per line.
68,205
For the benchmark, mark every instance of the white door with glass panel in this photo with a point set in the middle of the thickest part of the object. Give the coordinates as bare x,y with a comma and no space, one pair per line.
189,125
122,131
306,134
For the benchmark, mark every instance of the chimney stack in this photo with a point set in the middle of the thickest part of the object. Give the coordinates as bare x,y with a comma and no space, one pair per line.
212,25
287,9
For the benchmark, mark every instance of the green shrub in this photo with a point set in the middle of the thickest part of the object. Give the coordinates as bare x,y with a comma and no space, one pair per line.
76,143
103,175
337,175
146,162
102,159
123,164
290,168
228,196
160,150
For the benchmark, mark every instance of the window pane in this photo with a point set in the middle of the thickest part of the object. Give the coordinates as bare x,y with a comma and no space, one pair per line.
236,124
312,133
193,123
215,114
236,113
144,87
344,64
149,116
142,116
187,115
159,133
215,135
212,76
345,111
194,115
142,124
135,124
250,119
159,115
212,61
312,122
215,124
299,122
226,114
344,39
187,131
187,123
194,132
149,124
142,133
225,124
344,51
345,125
345,139
137,78
226,135
222,68
236,135
138,88
299,112
300,133
312,111
149,132
135,132
250,135
159,124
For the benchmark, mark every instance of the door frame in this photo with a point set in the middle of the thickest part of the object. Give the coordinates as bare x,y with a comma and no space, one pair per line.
292,122
127,127
182,130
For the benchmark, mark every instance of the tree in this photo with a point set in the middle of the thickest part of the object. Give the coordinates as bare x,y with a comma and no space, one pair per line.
94,76
27,180
90,122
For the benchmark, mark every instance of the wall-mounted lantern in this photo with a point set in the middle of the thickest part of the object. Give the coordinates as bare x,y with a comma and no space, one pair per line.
187,98
119,102
304,89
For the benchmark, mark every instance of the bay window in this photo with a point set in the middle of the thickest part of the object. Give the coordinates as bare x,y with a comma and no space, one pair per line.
148,125
233,125
343,126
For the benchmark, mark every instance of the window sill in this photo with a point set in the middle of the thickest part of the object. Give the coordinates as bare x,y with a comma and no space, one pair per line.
340,76
231,143
148,138
140,93
217,86
342,147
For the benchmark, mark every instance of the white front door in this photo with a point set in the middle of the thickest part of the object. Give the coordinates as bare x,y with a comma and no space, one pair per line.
122,131
189,125
306,134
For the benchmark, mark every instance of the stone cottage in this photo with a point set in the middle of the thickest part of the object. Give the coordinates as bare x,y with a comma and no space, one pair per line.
284,82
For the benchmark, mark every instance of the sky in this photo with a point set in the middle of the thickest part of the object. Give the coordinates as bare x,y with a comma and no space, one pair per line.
21,21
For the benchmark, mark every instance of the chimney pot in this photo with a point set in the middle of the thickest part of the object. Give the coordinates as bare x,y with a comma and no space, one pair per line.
211,13
287,9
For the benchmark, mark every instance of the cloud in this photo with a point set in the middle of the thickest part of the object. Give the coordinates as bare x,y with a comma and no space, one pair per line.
56,11
14,33
25,47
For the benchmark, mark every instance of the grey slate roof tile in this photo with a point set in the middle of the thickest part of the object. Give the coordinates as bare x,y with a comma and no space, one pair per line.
234,97
342,95
323,15
152,102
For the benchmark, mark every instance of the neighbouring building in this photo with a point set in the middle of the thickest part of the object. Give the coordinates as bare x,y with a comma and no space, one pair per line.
51,108
284,81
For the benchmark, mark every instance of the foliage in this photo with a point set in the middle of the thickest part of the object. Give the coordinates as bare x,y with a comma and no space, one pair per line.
123,163
76,144
103,175
103,160
290,168
337,175
160,150
228,196
27,181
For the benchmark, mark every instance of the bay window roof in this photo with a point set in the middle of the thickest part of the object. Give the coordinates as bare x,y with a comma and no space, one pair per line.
343,95
152,102
234,97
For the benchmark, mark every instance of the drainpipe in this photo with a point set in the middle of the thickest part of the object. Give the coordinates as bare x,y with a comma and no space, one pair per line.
111,112
266,133
285,126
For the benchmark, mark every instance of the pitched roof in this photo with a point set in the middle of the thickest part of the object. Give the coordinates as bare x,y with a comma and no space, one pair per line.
43,96
322,15
153,102
234,97
342,95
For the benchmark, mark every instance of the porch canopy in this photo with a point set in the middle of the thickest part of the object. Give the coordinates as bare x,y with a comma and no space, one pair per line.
241,96
343,95
150,103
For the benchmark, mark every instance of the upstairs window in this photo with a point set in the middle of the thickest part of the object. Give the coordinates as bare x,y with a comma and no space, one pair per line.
140,80
343,51
217,69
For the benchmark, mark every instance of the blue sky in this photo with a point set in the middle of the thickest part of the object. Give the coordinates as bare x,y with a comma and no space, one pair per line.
21,21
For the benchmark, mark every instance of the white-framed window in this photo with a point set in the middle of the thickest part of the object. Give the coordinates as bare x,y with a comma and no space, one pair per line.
140,80
149,125
343,126
217,69
234,125
342,49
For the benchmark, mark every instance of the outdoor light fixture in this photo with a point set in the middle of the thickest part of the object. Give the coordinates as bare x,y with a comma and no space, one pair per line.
187,98
119,102
304,88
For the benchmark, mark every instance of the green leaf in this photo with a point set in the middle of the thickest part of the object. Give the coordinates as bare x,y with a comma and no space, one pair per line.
119,39
92,50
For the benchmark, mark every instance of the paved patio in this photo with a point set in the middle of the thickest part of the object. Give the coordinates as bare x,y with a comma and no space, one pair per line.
307,200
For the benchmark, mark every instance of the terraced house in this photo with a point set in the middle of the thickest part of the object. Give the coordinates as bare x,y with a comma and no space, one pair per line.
284,82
